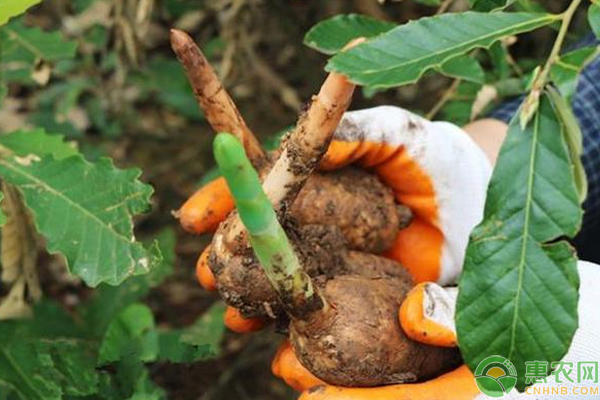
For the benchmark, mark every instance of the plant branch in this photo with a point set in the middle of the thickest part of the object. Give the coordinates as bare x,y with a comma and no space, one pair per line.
566,17
531,102
218,107
446,96
308,142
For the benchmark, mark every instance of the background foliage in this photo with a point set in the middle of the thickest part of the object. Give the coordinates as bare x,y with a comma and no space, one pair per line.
84,80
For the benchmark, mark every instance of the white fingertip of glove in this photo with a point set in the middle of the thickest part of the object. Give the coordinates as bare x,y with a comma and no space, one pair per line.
439,305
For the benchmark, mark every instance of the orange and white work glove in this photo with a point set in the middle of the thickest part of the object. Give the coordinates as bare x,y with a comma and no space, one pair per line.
434,168
434,313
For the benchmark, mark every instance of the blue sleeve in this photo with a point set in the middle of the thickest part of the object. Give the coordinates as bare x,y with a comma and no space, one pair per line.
586,105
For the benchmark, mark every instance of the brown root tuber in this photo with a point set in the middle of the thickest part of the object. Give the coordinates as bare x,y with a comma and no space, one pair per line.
339,305
357,340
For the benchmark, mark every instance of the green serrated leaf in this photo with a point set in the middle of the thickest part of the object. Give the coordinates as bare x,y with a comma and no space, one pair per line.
45,369
12,8
131,334
331,35
196,342
38,142
26,48
519,287
489,5
463,67
566,70
85,212
403,54
594,18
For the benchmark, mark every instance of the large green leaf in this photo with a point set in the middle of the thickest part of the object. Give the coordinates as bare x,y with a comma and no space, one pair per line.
403,54
519,288
12,8
331,35
37,141
85,211
44,369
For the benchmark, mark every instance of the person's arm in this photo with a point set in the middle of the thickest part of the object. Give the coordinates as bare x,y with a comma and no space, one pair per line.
488,134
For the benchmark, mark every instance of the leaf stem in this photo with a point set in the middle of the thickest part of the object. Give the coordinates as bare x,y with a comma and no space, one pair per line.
446,96
531,102
566,18
268,239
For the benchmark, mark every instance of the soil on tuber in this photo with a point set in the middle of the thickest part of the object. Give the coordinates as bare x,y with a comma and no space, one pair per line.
302,248
356,201
342,305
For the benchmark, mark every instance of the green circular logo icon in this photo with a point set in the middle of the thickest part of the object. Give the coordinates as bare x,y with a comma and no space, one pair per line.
496,376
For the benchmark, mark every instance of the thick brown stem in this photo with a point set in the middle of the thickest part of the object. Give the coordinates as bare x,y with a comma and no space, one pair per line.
309,141
218,107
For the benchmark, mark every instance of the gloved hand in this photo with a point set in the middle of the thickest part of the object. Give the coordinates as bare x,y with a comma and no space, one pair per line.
434,168
430,308
442,176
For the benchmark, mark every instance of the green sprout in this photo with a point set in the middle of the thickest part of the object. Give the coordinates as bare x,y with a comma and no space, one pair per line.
268,239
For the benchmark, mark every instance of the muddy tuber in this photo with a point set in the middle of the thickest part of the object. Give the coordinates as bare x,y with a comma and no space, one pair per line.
317,273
